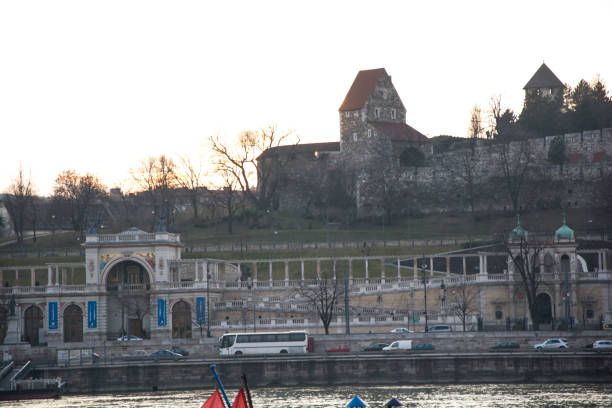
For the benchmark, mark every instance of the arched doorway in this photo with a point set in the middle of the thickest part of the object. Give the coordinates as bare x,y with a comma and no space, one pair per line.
73,324
543,309
3,323
33,319
128,303
181,320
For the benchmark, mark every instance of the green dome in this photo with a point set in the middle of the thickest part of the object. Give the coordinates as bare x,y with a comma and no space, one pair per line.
518,233
564,232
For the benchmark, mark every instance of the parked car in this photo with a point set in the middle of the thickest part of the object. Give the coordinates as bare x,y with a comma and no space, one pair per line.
602,345
375,347
399,345
343,348
506,345
401,330
423,346
165,355
180,351
440,328
552,344
129,337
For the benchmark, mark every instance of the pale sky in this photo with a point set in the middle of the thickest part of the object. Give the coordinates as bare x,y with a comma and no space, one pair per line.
95,86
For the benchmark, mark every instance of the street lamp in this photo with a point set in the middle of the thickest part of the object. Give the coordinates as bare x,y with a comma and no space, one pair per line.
424,280
207,302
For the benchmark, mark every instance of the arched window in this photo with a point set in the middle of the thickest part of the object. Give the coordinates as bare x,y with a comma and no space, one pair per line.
412,157
73,324
181,320
33,322
548,263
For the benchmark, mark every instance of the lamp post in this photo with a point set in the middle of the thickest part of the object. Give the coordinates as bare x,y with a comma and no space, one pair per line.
424,280
207,301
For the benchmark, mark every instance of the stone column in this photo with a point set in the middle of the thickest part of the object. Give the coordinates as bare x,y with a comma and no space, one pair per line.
464,267
415,271
367,272
270,270
399,270
382,270
49,275
334,268
32,277
350,261
480,264
431,268
57,274
302,270
318,268
286,270
254,276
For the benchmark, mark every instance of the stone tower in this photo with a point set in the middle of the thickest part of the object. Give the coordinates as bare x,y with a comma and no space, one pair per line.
545,84
373,119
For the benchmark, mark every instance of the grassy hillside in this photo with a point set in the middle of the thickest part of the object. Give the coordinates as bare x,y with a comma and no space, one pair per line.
283,227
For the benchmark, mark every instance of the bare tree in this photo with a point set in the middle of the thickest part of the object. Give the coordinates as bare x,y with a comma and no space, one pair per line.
190,177
501,120
156,177
525,256
138,305
323,294
18,201
240,159
464,298
475,129
230,199
515,160
78,194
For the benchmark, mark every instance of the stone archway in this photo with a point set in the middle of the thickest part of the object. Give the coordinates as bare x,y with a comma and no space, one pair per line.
73,324
543,309
128,289
181,320
33,324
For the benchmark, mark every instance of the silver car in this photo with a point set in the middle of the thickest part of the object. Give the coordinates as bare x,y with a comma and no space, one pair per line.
552,344
602,345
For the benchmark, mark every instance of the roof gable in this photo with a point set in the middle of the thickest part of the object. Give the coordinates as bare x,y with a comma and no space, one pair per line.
399,132
544,78
362,88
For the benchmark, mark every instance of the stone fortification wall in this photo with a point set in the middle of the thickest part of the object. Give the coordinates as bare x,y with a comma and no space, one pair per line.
441,185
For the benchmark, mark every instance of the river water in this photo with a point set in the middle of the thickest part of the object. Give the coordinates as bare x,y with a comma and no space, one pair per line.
447,396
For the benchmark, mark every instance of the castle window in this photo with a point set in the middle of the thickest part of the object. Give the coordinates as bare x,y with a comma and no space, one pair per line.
499,314
354,136
377,113
356,114
347,114
369,132
393,114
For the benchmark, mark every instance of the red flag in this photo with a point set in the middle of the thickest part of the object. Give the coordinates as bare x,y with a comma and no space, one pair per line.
214,401
240,401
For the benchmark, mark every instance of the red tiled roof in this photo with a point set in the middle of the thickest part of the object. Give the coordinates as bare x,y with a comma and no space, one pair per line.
362,88
544,78
576,158
599,157
399,131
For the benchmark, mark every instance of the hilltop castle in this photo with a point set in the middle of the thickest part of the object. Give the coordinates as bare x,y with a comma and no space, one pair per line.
381,161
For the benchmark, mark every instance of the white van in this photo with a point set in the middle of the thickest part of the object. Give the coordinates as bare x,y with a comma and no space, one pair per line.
399,345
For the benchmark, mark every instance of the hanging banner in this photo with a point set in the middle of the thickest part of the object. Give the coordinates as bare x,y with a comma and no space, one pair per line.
52,315
161,312
201,310
92,314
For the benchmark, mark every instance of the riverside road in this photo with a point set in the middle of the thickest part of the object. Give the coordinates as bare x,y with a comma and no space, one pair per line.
401,368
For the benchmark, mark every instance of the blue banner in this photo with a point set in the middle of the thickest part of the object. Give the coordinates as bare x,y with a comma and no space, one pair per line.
92,314
201,310
161,312
52,315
